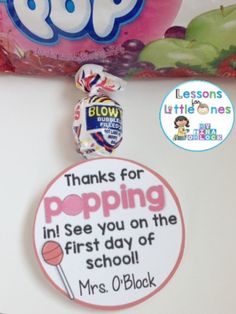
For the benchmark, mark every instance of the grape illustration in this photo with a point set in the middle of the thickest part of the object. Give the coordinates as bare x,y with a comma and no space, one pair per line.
133,45
176,32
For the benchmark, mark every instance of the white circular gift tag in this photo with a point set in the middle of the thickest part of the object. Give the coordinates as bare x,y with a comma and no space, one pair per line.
109,233
197,116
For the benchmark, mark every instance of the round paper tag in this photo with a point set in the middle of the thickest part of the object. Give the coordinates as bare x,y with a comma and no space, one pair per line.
109,233
197,116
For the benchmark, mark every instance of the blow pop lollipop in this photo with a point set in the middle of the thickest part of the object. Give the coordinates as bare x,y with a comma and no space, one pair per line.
98,120
53,255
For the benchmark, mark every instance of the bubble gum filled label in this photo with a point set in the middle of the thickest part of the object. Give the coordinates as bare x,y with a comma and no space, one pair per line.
97,126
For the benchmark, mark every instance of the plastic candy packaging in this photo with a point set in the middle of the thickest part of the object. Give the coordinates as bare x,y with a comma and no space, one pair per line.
129,38
98,120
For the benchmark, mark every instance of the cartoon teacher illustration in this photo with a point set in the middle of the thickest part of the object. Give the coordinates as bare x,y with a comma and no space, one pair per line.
181,123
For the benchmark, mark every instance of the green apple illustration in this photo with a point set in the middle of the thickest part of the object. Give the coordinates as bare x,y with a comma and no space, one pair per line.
217,27
170,52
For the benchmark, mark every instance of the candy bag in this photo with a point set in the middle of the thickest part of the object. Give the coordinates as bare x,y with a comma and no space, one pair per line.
129,38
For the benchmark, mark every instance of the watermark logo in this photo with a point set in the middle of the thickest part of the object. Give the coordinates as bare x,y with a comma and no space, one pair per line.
197,116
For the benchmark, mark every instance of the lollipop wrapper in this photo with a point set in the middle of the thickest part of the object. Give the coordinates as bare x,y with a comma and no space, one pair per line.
97,126
98,119
130,38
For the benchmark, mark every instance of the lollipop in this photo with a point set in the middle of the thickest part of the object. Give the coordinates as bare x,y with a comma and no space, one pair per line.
98,120
53,255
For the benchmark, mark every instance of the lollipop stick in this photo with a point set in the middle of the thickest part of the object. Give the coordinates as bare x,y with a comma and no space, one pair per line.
65,282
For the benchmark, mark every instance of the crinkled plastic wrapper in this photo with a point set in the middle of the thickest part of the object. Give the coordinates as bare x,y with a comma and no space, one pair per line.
98,119
129,38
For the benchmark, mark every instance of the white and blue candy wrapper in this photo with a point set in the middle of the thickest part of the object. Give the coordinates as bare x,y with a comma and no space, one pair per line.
98,119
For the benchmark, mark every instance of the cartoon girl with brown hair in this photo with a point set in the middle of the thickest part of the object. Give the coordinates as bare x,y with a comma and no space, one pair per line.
181,123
